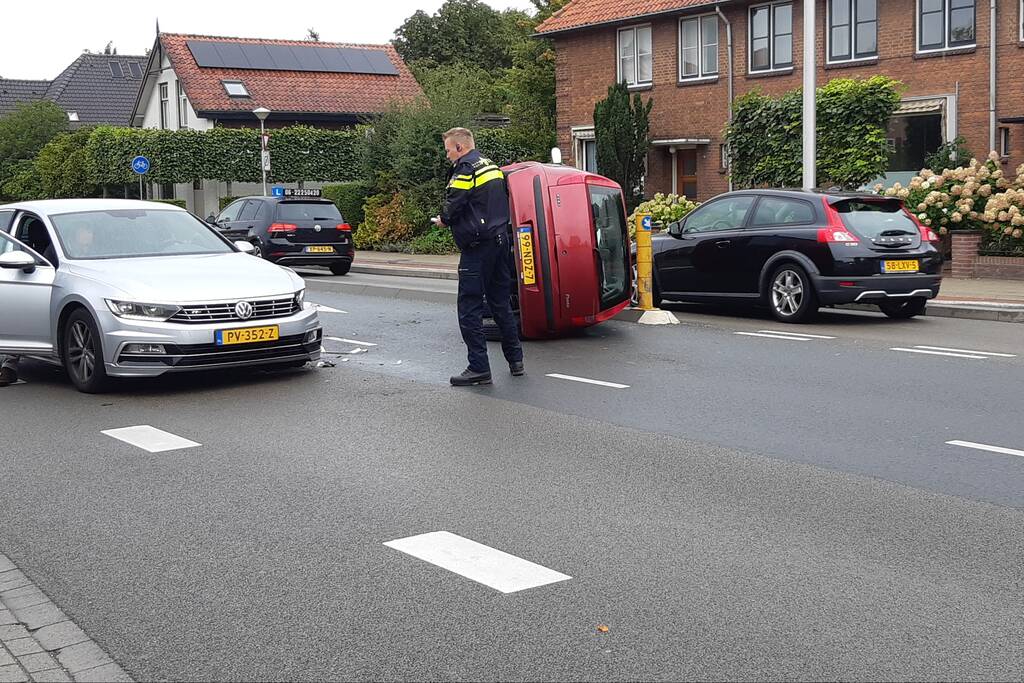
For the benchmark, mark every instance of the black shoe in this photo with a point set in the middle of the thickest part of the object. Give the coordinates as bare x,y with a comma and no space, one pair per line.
469,378
517,369
8,376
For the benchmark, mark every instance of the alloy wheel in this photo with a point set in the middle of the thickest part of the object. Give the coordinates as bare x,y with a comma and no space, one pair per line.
82,351
787,292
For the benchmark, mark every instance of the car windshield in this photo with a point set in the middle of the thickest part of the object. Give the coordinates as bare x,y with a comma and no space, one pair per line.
873,219
308,211
131,233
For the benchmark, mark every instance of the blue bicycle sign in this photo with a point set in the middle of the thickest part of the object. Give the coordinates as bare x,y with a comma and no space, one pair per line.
140,165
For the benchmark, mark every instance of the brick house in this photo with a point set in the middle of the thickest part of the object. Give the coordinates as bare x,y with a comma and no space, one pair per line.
679,52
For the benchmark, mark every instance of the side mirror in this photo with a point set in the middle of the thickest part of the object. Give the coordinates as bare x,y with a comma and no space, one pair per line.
676,229
245,247
18,260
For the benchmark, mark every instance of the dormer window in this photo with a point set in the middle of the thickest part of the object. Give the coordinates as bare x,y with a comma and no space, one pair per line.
235,88
73,116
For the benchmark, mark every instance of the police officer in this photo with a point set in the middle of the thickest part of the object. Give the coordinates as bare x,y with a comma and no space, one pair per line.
477,211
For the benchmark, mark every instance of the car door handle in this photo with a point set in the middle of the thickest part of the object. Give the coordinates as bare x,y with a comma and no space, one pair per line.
722,244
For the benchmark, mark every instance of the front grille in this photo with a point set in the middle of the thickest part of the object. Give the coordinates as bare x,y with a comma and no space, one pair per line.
200,355
225,313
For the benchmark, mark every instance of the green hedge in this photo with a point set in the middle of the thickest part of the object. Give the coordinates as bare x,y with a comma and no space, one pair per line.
228,154
224,201
349,198
175,202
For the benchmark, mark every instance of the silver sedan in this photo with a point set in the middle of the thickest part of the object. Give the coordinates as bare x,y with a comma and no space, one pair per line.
117,288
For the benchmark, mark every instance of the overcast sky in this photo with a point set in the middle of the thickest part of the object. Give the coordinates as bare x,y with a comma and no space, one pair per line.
41,38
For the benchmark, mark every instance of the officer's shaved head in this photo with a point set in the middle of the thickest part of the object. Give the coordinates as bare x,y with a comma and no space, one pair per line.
457,143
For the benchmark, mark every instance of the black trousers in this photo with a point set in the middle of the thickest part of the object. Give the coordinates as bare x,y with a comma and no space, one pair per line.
486,271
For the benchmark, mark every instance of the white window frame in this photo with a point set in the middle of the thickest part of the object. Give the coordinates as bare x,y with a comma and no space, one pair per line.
230,82
182,107
581,135
702,73
164,95
637,83
772,68
1004,142
853,59
946,47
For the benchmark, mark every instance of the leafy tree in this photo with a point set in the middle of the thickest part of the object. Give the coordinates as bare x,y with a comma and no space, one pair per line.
312,34
949,155
23,133
62,166
622,133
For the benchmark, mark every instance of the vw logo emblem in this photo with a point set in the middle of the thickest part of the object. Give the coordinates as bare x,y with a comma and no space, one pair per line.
244,310
317,228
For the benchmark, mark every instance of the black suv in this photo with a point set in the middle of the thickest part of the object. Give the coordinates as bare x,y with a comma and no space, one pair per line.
291,230
795,251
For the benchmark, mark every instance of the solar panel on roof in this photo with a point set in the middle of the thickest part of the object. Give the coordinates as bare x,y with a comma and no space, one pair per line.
309,58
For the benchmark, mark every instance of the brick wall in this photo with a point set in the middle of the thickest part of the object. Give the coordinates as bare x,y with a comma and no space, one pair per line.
586,67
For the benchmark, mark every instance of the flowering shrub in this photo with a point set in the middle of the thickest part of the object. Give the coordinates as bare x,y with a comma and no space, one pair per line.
664,209
977,196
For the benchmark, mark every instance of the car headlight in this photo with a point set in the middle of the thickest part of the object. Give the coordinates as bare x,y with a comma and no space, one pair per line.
300,296
133,310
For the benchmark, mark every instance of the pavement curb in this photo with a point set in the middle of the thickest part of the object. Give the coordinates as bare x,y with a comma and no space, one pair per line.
405,271
39,643
391,292
1002,313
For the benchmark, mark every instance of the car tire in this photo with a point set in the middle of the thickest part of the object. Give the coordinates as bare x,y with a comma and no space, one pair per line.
258,247
791,296
82,353
341,268
903,310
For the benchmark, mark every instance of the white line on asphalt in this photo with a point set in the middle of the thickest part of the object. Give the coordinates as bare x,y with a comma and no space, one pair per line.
985,447
150,438
481,563
797,334
326,309
350,341
772,336
937,353
598,382
980,353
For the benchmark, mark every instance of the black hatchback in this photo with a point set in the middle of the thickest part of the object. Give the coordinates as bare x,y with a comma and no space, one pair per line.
795,251
291,230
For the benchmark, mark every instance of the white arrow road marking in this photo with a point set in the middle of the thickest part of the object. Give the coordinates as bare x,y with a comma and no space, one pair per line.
327,309
349,341
772,336
584,380
985,447
150,438
481,563
938,353
980,353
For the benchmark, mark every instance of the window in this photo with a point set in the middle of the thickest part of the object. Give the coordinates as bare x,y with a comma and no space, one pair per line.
698,47
73,116
723,157
779,211
135,69
771,37
235,88
5,220
249,211
612,241
944,24
1004,142
163,106
231,212
852,30
912,138
308,211
723,214
182,107
636,65
115,70
588,155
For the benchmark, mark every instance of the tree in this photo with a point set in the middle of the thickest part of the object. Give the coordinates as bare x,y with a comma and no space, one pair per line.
62,166
622,132
23,133
312,34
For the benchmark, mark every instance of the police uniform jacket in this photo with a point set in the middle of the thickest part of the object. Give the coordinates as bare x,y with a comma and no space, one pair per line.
476,203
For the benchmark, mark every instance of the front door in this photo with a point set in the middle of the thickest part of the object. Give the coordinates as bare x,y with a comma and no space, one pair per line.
25,304
686,163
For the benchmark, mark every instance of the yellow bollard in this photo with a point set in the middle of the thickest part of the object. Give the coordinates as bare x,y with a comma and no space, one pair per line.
644,262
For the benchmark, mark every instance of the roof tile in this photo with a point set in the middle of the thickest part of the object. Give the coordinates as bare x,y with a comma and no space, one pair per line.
582,13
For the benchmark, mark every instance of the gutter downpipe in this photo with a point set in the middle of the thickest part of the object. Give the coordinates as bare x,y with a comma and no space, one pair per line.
992,77
728,40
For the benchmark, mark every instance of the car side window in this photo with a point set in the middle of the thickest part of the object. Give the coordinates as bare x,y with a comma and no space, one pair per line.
248,213
6,218
33,233
728,213
782,211
231,212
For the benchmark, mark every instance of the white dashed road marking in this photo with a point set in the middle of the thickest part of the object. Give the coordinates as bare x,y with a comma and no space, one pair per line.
350,341
979,353
326,309
481,563
938,353
985,447
788,337
150,438
796,334
584,380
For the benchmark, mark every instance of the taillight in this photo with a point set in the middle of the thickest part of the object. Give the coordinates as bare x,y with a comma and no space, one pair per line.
927,234
344,227
286,228
836,232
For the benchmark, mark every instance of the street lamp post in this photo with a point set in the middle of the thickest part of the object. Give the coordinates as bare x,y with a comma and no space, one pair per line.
262,113
810,155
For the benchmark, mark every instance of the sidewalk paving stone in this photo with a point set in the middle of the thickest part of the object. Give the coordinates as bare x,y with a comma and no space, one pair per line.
13,632
57,636
82,657
41,661
109,672
6,659
38,616
23,646
12,674
51,676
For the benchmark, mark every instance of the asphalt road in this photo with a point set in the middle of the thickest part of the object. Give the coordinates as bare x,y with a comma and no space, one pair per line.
748,507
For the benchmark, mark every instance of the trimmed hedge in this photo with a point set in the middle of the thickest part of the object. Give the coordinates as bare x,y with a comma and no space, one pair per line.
349,198
176,202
